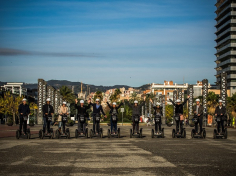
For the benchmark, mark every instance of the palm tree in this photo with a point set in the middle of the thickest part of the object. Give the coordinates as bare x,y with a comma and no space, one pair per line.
9,105
115,96
67,94
212,101
98,95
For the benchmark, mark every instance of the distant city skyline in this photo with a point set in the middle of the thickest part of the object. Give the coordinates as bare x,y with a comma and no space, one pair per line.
107,42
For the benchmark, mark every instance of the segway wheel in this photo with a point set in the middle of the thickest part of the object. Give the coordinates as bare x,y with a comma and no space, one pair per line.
152,133
76,133
226,133
203,134
141,133
131,135
41,134
173,133
118,132
184,133
91,133
68,135
108,133
214,134
86,133
162,134
192,133
58,135
101,133
17,134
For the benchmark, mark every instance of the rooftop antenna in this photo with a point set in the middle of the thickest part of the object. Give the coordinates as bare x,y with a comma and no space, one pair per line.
81,87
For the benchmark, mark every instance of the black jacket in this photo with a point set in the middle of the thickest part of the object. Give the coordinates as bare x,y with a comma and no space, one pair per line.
200,111
24,109
219,111
157,110
179,108
82,110
47,109
95,110
111,107
136,109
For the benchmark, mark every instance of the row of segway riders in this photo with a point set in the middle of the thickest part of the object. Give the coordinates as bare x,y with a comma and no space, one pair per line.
82,131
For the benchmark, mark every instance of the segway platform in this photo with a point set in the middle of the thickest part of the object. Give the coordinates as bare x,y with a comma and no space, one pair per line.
19,135
117,134
49,135
61,135
139,135
99,135
182,134
78,134
198,135
158,135
222,135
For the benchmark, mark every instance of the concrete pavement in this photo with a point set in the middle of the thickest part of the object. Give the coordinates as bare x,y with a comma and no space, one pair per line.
124,156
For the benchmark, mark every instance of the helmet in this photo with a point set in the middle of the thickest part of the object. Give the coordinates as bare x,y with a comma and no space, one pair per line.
158,104
136,102
114,103
64,103
24,99
178,101
97,99
220,101
81,101
198,100
48,99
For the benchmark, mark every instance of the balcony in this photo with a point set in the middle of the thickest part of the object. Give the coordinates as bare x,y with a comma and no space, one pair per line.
225,39
226,62
231,76
230,45
226,54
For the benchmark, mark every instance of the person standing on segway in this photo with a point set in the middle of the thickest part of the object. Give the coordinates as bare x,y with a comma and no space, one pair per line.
82,112
179,113
63,112
47,113
220,113
136,113
157,116
198,113
97,110
24,111
114,112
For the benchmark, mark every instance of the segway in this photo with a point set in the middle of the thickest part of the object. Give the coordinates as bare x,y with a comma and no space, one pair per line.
117,134
77,133
59,134
140,134
97,133
159,134
49,134
176,134
19,134
222,135
198,135
27,136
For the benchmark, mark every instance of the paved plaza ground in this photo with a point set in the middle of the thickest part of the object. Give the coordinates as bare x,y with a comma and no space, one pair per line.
124,156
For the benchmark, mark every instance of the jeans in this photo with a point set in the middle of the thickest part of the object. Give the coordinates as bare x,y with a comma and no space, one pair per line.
24,124
157,124
179,123
199,121
221,123
59,125
113,124
96,125
134,125
63,126
46,123
82,127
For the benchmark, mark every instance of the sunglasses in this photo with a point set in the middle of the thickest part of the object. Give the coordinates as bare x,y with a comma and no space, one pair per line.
97,101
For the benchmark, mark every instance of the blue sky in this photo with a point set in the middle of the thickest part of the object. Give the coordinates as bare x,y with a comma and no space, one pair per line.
107,42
